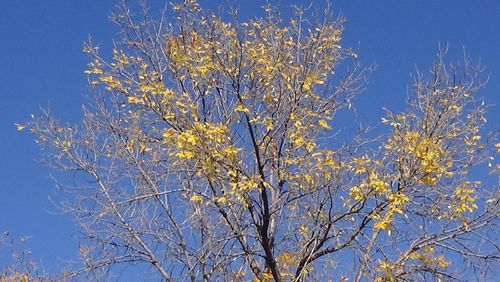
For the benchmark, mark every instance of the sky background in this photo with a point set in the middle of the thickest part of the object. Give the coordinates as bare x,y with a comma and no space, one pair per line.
41,64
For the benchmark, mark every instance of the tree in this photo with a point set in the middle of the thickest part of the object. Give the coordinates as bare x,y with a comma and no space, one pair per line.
208,154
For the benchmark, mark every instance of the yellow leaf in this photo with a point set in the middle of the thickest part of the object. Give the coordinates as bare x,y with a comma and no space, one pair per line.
221,200
20,127
242,109
303,229
185,155
268,122
196,198
324,124
135,100
231,151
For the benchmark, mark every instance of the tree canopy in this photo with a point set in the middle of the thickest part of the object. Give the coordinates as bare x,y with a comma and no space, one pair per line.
210,152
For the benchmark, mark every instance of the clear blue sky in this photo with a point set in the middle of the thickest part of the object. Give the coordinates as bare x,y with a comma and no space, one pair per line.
41,63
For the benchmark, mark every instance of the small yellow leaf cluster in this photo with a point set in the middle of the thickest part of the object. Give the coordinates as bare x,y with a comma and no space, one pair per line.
191,55
326,164
288,261
396,203
463,199
120,58
389,271
65,145
360,164
431,156
221,200
266,276
205,143
425,258
196,198
311,80
288,258
299,136
428,259
95,68
432,160
144,87
154,88
356,193
112,80
241,109
303,229
268,122
14,276
112,83
136,100
242,183
309,171
472,140
380,187
324,124
372,183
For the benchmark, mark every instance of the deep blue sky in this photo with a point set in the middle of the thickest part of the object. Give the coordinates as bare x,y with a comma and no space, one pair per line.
41,64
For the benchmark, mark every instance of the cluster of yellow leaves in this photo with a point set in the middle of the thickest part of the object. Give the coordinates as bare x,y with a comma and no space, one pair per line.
95,68
196,198
472,140
243,183
16,277
396,204
299,137
311,80
426,258
463,198
145,87
303,131
111,80
241,109
377,186
432,160
266,276
240,184
287,261
373,185
120,58
207,147
191,56
112,83
462,201
205,141
389,272
303,229
306,172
